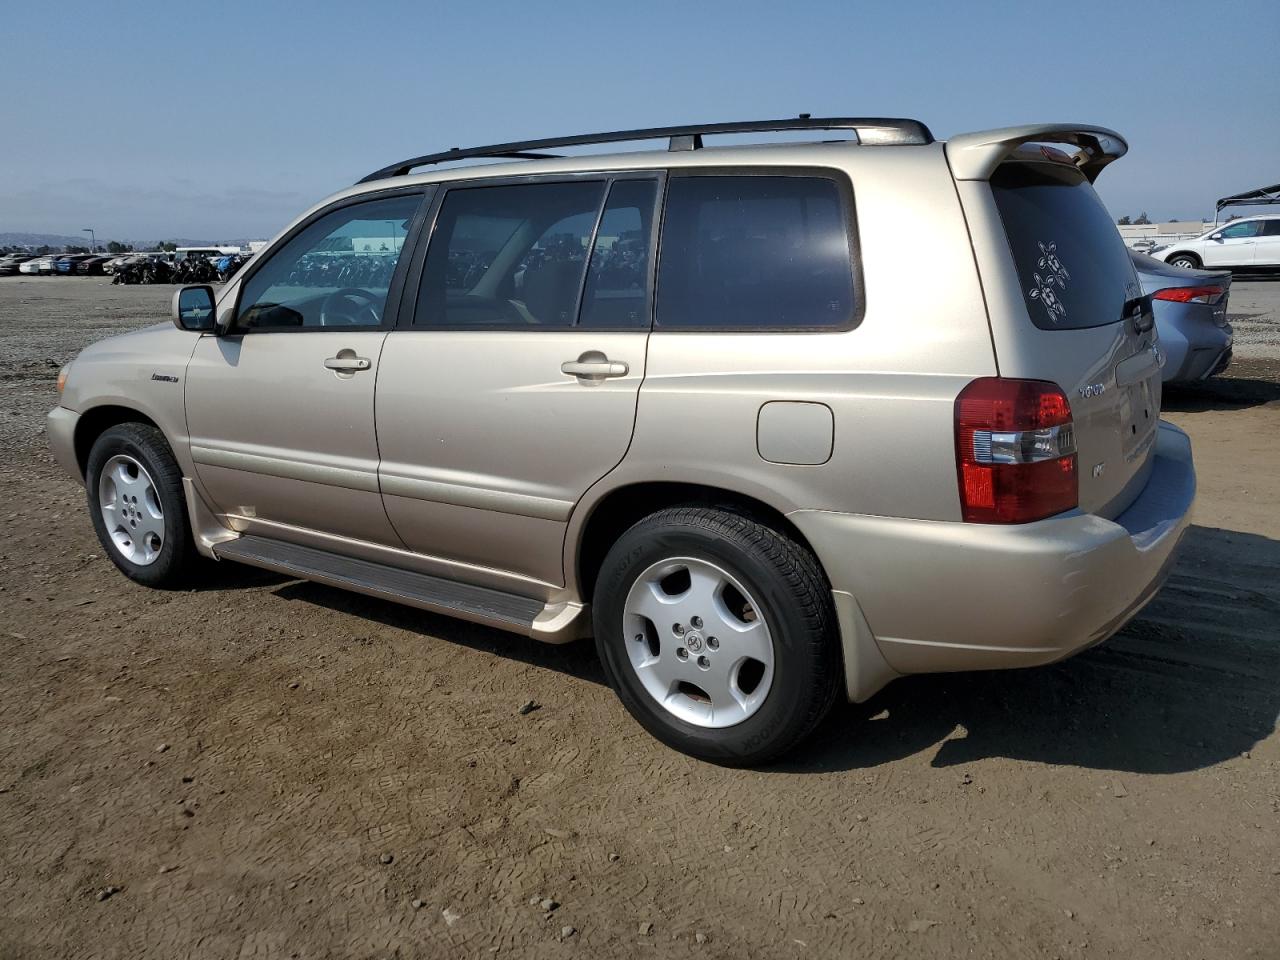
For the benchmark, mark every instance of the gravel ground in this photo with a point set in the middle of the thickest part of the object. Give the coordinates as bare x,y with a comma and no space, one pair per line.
268,768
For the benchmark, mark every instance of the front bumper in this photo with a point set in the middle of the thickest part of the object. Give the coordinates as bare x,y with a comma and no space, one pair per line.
60,425
943,596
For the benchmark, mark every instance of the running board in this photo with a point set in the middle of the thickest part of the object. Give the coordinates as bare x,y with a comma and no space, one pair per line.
552,623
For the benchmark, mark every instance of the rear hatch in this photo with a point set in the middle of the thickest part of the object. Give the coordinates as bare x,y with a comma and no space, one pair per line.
1088,328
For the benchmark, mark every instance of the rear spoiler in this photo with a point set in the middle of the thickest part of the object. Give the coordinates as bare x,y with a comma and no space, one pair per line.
975,156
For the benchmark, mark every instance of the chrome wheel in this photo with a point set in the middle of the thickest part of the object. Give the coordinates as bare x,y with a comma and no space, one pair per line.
698,642
131,510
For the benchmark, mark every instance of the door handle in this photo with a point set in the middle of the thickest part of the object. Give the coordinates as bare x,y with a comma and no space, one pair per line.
594,365
347,364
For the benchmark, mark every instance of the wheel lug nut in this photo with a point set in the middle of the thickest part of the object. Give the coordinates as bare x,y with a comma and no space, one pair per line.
682,653
713,643
696,623
704,663
678,629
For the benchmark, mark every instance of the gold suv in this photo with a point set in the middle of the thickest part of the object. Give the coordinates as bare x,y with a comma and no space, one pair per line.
716,405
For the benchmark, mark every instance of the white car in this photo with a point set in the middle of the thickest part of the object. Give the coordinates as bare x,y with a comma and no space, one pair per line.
1251,243
38,265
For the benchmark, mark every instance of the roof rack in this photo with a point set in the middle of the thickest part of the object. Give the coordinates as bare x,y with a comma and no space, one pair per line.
868,130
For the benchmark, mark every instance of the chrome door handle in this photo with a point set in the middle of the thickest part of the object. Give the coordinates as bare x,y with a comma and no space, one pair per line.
348,364
589,368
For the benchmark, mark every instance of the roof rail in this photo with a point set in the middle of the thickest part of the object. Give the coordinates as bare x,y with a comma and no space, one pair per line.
868,130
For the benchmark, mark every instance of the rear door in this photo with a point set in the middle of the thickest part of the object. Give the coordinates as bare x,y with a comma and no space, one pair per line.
513,387
1086,327
1266,249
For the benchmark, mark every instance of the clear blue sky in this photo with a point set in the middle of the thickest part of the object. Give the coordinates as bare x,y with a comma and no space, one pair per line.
224,120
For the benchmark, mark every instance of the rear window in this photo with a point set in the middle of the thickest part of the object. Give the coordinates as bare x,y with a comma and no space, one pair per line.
755,252
1074,269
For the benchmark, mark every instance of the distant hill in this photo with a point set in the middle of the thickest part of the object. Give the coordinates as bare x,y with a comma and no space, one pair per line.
59,241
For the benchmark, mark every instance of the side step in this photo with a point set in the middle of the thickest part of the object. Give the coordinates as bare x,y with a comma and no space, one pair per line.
495,608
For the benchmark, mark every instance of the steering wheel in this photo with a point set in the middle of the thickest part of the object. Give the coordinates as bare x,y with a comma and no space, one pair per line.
331,316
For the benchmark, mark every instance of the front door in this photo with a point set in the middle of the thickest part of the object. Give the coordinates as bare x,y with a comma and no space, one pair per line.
512,389
1232,246
280,408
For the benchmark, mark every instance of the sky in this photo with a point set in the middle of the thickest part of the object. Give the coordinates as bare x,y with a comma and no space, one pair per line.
226,120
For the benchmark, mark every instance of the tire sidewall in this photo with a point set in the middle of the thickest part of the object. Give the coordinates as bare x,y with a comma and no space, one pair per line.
159,463
781,717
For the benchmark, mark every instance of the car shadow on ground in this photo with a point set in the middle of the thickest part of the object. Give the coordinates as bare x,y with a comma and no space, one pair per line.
1219,393
1193,681
577,659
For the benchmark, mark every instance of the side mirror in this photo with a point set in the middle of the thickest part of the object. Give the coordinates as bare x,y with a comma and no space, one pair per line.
193,308
1216,236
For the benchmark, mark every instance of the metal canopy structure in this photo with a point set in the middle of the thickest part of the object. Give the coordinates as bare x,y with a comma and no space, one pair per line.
867,130
1261,196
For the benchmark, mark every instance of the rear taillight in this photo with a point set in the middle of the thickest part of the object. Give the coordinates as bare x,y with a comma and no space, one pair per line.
1015,451
1205,294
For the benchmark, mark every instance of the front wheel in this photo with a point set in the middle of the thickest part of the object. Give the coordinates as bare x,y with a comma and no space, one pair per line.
134,487
1185,260
718,634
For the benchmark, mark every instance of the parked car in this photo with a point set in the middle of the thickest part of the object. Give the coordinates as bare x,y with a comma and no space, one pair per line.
760,462
11,262
1191,317
1143,246
66,265
39,265
113,262
91,266
1250,243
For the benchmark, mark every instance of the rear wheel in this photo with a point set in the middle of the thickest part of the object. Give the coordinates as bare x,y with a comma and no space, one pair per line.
718,634
1188,261
134,487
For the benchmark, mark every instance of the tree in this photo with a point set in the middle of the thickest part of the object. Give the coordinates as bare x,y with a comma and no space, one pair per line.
1142,219
73,248
115,246
166,246
1124,221
43,249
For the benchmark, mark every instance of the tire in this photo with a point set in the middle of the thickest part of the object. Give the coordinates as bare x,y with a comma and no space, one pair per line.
667,565
140,505
1188,261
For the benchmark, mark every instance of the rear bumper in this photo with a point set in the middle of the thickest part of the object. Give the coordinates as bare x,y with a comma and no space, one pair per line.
1195,347
942,596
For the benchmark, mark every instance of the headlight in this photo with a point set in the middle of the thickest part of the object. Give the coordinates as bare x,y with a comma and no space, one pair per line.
62,377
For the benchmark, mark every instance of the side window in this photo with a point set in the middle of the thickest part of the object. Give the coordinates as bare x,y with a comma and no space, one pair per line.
509,255
334,273
617,292
754,252
1238,230
1271,228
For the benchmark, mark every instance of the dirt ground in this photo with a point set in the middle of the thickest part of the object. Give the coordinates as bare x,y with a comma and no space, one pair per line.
265,768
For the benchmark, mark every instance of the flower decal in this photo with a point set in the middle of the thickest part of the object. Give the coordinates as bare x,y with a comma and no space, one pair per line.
1051,278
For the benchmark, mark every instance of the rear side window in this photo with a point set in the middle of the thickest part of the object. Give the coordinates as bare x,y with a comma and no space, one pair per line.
1270,228
755,252
1074,269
